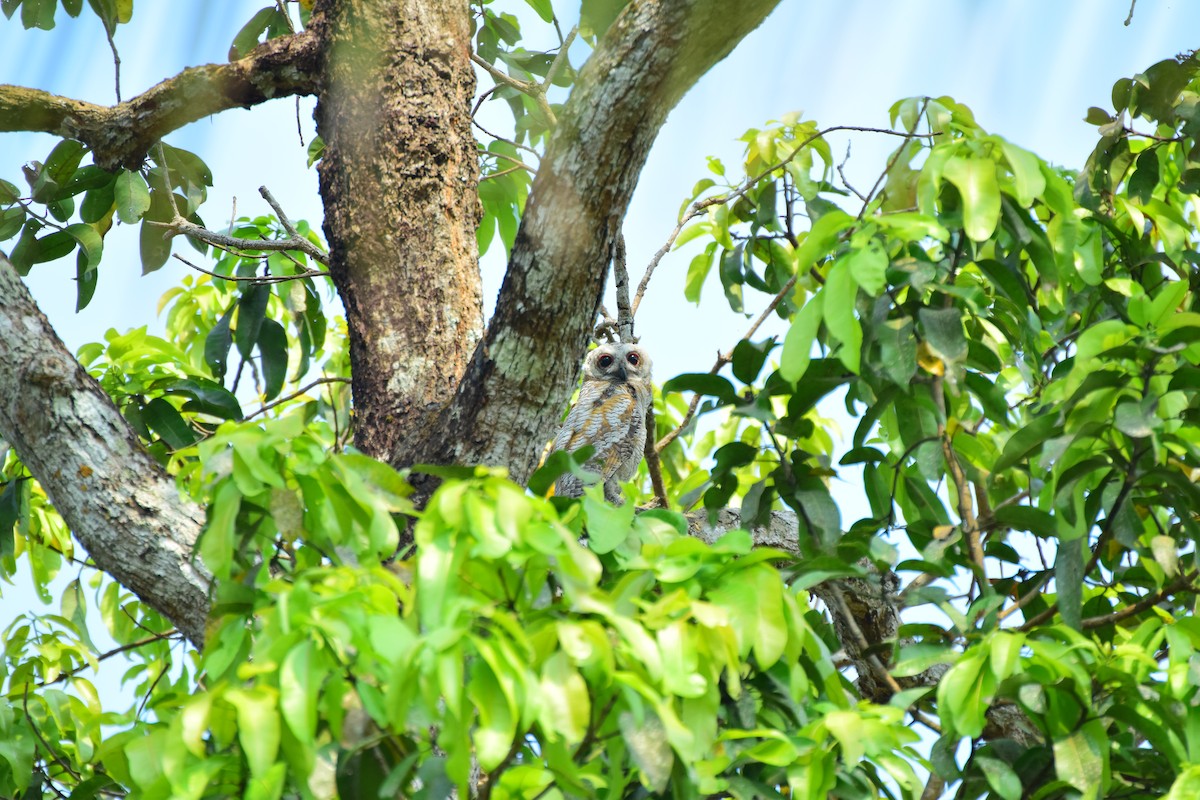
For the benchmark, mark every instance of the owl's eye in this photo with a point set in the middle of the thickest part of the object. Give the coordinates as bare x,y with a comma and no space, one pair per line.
605,361
633,358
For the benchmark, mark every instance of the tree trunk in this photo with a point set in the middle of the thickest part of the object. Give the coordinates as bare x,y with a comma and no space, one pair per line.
117,500
398,180
523,372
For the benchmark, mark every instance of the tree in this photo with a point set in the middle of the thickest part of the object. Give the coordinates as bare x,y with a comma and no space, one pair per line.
316,605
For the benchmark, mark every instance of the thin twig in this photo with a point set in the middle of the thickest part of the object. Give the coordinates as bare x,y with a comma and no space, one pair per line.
36,732
621,280
504,172
1180,584
841,170
515,161
109,654
1129,19
279,401
722,360
653,465
1023,600
116,59
286,17
896,155
180,226
745,186
529,88
560,58
253,279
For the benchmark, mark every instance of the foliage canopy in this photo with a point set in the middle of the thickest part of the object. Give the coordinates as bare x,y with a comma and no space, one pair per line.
1018,344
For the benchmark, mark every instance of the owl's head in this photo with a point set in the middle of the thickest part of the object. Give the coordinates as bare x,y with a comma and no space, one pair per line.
617,362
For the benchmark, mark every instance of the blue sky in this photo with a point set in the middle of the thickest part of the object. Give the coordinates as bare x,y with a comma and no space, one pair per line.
1028,68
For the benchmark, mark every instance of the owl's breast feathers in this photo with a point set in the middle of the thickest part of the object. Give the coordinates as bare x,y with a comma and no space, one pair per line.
604,415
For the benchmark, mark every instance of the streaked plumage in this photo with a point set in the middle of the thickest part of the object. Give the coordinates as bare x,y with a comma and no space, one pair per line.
610,415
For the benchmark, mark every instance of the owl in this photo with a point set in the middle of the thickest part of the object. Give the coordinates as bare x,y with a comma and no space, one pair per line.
610,415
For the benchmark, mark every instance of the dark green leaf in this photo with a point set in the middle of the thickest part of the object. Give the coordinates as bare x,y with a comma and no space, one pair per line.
944,332
207,397
13,506
86,277
8,192
217,344
252,309
1145,177
1027,439
163,419
704,384
273,347
749,357
247,38
11,220
53,246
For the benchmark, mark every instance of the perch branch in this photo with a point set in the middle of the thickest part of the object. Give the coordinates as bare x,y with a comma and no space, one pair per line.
121,135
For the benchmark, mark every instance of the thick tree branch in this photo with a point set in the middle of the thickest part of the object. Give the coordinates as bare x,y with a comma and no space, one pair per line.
398,181
522,373
121,135
117,500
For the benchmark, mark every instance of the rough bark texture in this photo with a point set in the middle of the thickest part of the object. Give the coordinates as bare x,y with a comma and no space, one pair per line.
398,182
121,135
522,373
116,499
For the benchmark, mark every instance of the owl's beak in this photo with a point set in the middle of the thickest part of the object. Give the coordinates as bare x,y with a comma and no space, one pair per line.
621,374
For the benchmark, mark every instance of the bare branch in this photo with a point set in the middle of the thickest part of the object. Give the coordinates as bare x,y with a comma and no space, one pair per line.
621,279
281,400
121,135
118,501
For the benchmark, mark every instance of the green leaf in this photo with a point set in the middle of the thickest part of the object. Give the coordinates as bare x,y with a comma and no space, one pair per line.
607,525
841,293
1081,758
596,15
943,331
868,265
38,14
247,38
798,343
273,347
86,278
749,357
1027,172
1068,577
132,197
14,505
207,397
154,243
217,344
543,9
698,270
258,727
1145,177
217,540
703,384
299,685
164,420
820,240
1000,776
975,179
252,310
1027,439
